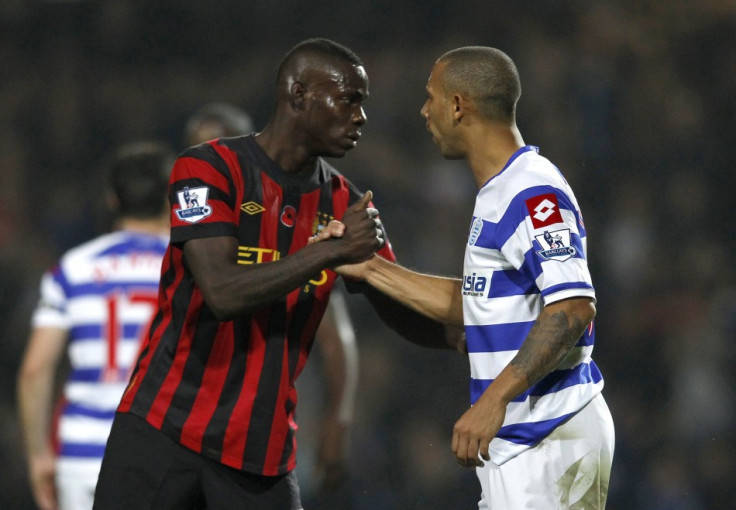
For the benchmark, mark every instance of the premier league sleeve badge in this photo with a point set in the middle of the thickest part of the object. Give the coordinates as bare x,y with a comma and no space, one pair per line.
555,245
193,204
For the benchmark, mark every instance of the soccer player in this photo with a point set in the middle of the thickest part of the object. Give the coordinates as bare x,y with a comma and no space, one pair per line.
208,419
216,120
94,306
335,337
538,432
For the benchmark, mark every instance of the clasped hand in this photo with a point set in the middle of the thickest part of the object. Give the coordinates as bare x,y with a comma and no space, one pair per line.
360,228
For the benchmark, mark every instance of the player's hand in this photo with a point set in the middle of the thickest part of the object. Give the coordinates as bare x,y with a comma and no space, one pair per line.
474,431
42,475
363,234
334,229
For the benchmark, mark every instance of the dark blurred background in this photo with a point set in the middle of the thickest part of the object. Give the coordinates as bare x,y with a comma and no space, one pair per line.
632,99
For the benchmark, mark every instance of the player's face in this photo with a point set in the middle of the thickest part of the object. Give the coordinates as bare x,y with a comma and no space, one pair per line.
334,109
437,112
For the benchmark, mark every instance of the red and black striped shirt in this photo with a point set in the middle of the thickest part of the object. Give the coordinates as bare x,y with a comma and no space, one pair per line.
226,389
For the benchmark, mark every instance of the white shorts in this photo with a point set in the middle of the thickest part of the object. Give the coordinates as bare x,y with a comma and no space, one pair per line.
567,470
76,480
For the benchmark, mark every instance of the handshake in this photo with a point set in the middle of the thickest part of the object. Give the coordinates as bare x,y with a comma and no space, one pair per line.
360,232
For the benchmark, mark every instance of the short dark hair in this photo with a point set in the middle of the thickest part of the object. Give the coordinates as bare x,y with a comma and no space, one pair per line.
234,120
317,46
138,175
485,75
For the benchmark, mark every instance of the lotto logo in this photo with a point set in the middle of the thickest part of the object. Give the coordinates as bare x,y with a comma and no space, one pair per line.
543,210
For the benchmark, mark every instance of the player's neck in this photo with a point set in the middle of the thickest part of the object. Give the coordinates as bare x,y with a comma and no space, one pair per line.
286,151
490,150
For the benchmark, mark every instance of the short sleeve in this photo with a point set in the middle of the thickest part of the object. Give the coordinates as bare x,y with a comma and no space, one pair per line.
548,246
202,196
51,310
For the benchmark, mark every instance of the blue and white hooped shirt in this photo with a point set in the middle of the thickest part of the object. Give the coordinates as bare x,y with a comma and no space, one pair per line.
103,293
526,249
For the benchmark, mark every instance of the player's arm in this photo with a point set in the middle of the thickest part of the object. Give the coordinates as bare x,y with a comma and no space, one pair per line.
436,297
231,289
557,329
339,350
35,402
411,324
424,309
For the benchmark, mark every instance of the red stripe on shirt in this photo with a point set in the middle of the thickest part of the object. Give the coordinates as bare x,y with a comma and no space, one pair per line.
210,389
239,422
272,194
190,168
308,205
279,426
166,393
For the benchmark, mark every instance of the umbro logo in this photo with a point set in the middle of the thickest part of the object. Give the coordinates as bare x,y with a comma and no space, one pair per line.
252,208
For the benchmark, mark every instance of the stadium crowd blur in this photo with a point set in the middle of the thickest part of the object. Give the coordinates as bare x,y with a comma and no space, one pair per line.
632,99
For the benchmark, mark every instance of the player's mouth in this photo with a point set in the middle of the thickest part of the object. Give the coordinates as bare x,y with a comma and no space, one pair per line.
354,137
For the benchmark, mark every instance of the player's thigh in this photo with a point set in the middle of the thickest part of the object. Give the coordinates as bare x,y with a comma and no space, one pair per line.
144,469
226,488
568,470
76,479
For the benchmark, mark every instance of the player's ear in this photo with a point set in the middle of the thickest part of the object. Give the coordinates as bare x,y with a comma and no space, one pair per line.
297,95
459,105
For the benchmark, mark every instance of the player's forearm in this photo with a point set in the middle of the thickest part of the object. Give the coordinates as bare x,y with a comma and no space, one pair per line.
438,298
35,388
230,289
555,332
35,395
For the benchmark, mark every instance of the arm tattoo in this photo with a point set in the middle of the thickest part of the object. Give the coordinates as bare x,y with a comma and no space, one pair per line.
547,344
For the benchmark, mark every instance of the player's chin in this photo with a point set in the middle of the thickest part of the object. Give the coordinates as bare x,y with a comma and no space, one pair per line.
339,150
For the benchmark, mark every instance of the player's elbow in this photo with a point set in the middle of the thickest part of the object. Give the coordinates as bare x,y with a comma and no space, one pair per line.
222,314
589,312
219,305
225,302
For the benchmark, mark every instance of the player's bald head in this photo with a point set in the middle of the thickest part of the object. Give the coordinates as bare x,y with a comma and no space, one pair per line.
311,58
487,76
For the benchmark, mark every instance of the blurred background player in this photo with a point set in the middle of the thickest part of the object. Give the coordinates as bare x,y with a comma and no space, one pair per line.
95,305
216,120
335,341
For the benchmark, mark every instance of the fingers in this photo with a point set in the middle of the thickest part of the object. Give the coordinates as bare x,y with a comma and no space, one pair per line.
466,452
467,448
363,232
484,453
363,202
333,229
379,232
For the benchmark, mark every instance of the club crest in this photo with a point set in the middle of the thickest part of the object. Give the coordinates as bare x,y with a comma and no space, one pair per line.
555,245
193,202
475,229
